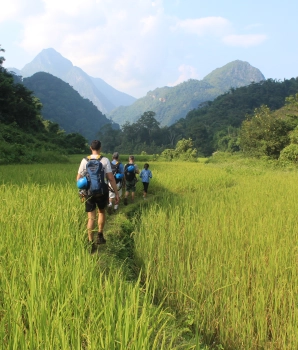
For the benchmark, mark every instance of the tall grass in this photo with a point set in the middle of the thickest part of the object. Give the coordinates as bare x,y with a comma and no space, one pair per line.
218,251
53,293
221,245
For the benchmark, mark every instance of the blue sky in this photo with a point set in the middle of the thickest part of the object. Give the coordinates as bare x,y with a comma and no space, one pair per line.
139,45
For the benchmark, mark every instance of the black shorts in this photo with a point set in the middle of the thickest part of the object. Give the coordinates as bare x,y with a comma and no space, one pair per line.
145,186
99,201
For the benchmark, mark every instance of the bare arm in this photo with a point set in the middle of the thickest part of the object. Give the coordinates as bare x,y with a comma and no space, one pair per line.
112,181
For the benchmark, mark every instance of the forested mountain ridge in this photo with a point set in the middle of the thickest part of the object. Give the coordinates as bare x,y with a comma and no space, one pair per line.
104,96
25,136
215,125
63,105
214,120
172,103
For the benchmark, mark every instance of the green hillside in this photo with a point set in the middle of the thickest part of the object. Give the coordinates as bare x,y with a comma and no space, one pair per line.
172,103
65,106
214,119
210,125
25,135
103,96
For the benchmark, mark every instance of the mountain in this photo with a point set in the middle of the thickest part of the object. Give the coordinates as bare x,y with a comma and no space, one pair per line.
215,125
233,75
172,103
65,106
104,96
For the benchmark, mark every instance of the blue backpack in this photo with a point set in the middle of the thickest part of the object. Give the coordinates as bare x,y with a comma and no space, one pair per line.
95,176
129,172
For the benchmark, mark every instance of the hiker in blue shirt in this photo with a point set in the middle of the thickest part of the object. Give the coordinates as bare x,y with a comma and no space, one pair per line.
145,175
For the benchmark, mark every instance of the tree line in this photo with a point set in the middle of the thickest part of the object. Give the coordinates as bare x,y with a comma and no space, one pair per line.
259,119
234,121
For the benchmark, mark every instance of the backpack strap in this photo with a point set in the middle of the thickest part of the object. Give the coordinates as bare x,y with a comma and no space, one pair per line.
99,156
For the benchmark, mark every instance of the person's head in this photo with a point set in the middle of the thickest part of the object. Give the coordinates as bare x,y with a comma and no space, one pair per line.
116,155
131,159
146,166
95,145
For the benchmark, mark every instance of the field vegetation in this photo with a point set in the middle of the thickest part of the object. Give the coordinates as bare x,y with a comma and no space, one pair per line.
210,258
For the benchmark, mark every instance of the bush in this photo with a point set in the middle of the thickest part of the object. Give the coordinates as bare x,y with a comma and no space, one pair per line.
289,154
294,136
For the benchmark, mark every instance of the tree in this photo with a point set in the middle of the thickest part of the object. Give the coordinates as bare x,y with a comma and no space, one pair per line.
184,151
110,138
2,59
263,134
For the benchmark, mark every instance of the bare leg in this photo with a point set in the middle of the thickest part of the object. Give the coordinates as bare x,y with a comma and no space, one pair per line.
125,197
132,196
101,219
90,224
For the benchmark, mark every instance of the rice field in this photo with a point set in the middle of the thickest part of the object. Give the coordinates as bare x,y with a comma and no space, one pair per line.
53,293
221,245
215,262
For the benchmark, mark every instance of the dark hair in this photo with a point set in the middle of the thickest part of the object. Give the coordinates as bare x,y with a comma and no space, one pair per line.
146,165
95,145
132,157
115,155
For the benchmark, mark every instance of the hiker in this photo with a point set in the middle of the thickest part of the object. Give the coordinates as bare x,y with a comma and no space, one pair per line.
118,173
145,176
130,171
94,199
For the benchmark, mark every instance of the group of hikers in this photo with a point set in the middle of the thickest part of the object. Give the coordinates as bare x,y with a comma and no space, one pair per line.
101,182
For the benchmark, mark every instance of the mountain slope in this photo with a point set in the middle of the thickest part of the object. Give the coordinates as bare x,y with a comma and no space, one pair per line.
234,74
65,106
172,103
104,96
217,119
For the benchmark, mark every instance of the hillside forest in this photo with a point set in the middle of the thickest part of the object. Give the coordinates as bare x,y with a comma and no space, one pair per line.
257,120
25,135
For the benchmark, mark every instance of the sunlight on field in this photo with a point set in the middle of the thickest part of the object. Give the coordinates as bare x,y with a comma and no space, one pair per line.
217,245
53,293
221,245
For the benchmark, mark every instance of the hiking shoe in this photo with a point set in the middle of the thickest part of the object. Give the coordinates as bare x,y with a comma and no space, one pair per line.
93,247
125,201
101,239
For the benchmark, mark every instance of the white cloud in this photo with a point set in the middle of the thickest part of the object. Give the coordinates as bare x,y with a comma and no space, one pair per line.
186,72
205,26
244,40
133,45
113,40
16,10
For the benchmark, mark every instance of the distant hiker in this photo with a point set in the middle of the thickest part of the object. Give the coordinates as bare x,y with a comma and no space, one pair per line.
145,176
130,171
93,170
118,173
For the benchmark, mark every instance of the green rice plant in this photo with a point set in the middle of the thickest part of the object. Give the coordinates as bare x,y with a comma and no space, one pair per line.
221,247
53,293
